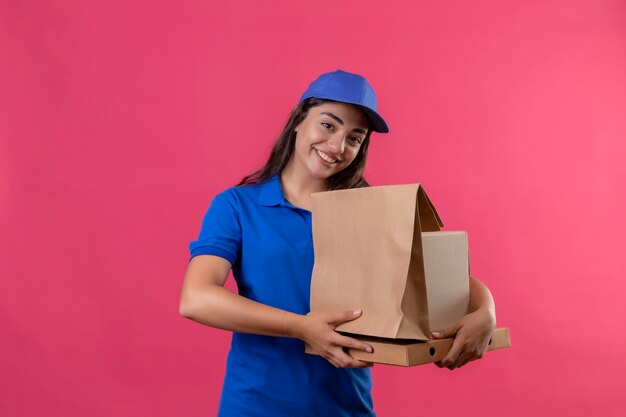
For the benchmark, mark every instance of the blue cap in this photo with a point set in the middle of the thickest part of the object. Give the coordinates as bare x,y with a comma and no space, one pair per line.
348,88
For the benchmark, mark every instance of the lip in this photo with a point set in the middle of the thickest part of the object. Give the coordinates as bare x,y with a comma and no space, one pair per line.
325,163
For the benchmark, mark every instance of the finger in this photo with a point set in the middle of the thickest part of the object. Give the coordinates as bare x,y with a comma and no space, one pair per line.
463,358
349,342
348,361
472,358
453,354
447,332
469,355
464,363
344,316
333,361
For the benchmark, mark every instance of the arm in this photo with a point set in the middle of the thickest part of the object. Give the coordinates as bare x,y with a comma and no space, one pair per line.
471,333
481,298
206,301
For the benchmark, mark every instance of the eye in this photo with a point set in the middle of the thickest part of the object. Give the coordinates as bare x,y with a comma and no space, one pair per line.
326,125
355,139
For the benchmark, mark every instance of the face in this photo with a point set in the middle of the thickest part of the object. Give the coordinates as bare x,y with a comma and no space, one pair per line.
329,138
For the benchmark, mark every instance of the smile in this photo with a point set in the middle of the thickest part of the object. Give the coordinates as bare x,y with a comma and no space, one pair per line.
326,157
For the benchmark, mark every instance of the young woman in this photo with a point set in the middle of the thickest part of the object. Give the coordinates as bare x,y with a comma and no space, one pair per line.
261,228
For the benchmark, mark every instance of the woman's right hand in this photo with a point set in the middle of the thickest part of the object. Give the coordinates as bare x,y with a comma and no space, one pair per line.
318,331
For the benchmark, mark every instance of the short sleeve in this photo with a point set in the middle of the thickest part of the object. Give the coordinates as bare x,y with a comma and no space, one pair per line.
220,234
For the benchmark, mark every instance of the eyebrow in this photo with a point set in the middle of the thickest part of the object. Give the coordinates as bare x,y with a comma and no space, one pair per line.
332,116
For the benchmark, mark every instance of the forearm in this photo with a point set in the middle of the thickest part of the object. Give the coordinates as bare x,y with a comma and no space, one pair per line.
481,298
218,307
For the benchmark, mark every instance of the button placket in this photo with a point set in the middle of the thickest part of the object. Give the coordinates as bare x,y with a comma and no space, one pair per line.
306,215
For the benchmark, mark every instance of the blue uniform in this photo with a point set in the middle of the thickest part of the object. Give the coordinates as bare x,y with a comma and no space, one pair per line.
269,243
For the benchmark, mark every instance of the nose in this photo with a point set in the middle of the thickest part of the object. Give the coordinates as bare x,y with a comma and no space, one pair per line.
337,144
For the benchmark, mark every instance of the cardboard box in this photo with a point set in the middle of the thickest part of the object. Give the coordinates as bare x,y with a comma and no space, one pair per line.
412,353
446,269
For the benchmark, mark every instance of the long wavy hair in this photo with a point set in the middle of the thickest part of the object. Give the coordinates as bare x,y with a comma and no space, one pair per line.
349,177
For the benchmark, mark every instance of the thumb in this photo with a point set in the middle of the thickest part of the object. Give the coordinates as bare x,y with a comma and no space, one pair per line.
445,333
344,316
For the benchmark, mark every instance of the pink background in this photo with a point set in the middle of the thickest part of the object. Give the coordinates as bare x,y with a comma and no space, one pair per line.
118,124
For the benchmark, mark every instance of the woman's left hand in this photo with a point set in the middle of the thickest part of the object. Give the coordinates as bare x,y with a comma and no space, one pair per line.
471,337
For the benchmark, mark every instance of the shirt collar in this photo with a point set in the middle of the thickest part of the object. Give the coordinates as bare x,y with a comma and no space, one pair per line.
271,192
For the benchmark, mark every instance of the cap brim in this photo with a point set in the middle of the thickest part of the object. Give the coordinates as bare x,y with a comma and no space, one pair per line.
378,123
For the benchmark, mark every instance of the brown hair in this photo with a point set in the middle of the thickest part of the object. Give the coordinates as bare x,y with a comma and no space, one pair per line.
350,177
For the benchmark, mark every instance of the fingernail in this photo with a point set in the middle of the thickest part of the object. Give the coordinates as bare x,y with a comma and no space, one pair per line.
435,334
368,349
356,312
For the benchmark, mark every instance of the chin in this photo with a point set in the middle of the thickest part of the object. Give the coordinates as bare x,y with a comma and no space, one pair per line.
321,174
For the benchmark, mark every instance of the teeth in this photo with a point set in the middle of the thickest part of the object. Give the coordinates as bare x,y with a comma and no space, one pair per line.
325,157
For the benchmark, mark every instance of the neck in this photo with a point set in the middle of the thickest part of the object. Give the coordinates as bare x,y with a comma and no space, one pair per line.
298,184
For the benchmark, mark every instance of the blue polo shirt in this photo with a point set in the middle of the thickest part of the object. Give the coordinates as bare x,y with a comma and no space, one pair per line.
269,243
